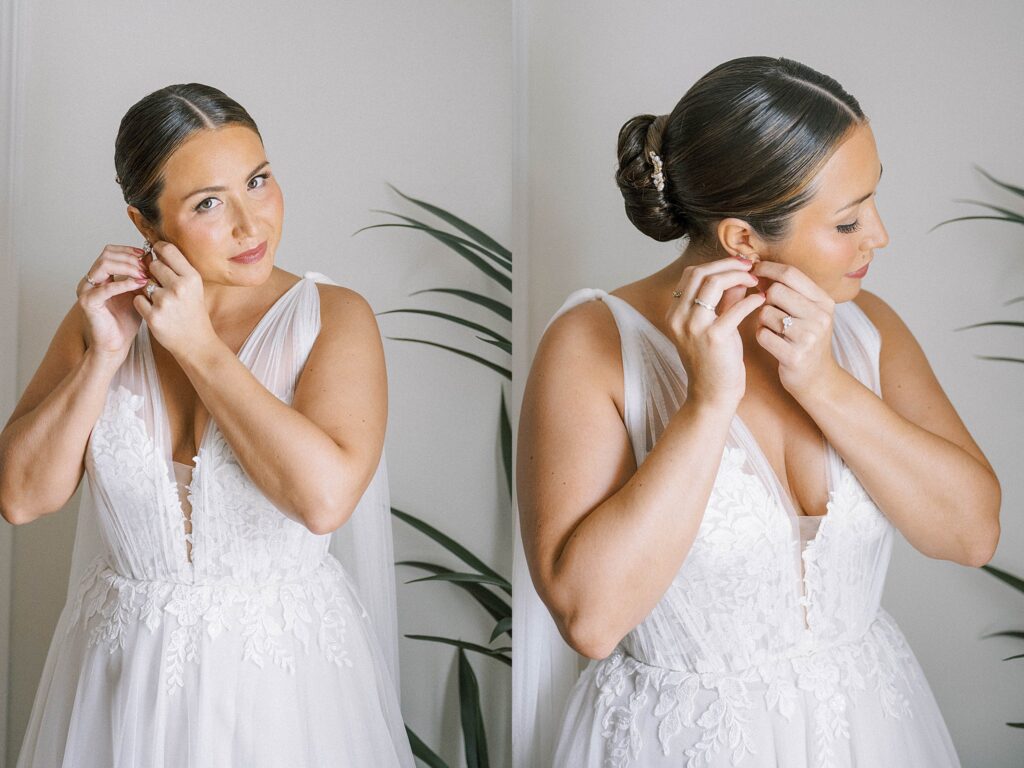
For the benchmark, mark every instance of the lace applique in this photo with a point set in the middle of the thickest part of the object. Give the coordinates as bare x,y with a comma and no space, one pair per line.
737,594
126,458
626,686
273,620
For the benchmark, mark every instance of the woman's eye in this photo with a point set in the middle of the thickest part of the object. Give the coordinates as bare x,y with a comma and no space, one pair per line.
846,229
201,207
202,203
261,176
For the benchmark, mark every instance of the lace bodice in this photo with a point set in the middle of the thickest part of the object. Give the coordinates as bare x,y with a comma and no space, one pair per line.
237,536
750,591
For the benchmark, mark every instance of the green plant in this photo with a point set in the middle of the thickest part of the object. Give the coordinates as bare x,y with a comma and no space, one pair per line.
1003,214
485,586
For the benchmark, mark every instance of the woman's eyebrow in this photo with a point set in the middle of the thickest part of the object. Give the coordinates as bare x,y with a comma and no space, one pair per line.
862,199
221,189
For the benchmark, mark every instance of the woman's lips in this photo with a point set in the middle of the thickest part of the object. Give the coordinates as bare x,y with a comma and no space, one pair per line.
251,257
860,272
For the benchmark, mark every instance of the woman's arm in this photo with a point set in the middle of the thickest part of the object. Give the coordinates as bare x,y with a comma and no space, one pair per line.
314,458
603,538
42,447
910,450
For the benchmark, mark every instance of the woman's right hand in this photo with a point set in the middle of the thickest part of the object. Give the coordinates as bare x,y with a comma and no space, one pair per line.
710,347
111,320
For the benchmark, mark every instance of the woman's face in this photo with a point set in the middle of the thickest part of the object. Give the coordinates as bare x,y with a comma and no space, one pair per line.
836,233
211,226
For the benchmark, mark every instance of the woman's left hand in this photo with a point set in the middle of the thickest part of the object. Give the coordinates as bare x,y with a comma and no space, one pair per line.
176,310
804,349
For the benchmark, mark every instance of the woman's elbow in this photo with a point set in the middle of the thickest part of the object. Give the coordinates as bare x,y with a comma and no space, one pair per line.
984,548
587,633
328,514
12,514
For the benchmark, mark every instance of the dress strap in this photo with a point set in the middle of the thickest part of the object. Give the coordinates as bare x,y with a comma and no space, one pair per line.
856,344
654,380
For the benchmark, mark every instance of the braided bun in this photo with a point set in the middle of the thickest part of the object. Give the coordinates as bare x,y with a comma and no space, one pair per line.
646,206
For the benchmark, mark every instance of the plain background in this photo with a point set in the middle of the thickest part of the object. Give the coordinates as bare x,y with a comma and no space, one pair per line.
348,96
941,83
421,94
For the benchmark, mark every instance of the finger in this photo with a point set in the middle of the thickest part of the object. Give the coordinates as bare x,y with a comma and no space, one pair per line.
692,278
174,258
771,318
96,297
785,298
790,276
102,272
714,287
733,316
143,307
731,295
164,274
776,345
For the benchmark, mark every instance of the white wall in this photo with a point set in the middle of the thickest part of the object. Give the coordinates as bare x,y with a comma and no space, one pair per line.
941,83
347,97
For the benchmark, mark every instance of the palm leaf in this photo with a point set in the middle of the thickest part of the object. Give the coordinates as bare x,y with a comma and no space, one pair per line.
447,542
1014,581
506,442
463,226
459,578
1008,214
1011,323
498,307
975,218
503,627
490,602
455,319
473,734
504,280
501,654
503,344
493,366
1008,187
1003,359
1008,633
498,259
423,752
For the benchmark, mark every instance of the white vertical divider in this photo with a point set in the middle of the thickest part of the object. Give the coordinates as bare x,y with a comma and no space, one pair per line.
10,115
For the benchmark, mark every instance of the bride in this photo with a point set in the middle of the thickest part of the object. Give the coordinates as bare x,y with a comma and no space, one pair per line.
229,417
713,461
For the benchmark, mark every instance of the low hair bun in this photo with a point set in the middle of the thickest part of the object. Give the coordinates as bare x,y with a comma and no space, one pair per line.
647,207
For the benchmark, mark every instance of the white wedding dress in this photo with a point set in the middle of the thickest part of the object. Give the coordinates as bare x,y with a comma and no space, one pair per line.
242,644
770,647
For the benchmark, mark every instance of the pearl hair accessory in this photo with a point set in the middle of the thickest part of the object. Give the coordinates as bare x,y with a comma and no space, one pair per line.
657,178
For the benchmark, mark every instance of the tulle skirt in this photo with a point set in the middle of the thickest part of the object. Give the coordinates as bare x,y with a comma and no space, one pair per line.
144,674
862,704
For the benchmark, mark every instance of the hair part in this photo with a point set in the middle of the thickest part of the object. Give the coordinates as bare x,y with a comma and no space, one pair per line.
155,126
745,141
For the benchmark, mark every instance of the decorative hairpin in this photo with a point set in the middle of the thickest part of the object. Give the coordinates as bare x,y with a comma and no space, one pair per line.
657,178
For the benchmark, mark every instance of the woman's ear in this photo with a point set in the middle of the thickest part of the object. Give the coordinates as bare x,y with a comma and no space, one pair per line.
142,224
737,237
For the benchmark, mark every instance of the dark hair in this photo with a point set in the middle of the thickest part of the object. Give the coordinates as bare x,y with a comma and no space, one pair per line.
157,125
745,141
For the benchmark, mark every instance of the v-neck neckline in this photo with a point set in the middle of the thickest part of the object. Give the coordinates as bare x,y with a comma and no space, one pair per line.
210,424
786,500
